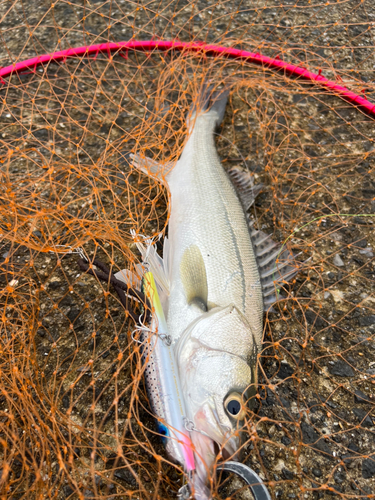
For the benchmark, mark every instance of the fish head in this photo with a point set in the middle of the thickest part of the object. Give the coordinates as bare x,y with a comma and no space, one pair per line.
217,357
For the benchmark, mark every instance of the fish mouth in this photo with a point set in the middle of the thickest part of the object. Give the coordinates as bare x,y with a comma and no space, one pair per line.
218,440
212,444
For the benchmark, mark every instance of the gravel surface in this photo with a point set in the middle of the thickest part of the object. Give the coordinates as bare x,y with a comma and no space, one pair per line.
311,429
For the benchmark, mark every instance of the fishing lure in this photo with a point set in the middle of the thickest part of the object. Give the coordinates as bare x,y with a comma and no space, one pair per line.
163,381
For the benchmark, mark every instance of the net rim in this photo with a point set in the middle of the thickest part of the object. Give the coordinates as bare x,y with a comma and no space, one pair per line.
208,49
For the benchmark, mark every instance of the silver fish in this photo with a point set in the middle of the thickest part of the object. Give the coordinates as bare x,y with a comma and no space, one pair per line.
216,277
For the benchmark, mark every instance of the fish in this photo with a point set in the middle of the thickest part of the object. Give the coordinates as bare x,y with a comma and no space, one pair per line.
216,277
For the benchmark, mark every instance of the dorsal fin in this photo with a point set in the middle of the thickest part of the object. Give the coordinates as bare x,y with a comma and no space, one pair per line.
194,277
243,182
276,264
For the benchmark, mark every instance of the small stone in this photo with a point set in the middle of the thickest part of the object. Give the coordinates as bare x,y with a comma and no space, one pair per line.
94,342
367,320
73,314
54,285
287,474
336,489
353,453
360,397
66,401
337,260
367,490
310,436
271,430
67,300
361,243
308,433
126,475
317,472
314,319
284,402
285,371
313,405
67,491
353,447
339,476
286,441
342,369
337,295
367,252
331,404
368,467
363,417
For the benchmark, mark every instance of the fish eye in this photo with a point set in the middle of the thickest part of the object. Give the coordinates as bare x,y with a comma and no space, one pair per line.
234,406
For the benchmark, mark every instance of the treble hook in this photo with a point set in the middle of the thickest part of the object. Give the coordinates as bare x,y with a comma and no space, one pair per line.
257,487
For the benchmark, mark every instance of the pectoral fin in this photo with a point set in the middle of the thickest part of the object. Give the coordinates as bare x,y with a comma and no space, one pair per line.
194,277
152,168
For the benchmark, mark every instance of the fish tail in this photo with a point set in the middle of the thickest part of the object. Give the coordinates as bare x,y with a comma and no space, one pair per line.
208,102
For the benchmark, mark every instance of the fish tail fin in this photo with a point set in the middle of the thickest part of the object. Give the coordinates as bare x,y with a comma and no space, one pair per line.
208,102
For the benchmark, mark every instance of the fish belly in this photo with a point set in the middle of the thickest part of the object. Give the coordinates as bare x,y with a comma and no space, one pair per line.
206,212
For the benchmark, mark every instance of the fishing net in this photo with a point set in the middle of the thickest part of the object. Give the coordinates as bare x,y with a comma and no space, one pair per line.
74,416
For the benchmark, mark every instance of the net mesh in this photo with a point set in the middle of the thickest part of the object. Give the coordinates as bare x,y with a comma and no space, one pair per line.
74,417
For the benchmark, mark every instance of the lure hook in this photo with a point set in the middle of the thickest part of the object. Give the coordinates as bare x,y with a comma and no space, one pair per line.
251,478
257,487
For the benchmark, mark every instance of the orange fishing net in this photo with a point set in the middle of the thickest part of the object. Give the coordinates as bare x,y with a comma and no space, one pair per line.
74,416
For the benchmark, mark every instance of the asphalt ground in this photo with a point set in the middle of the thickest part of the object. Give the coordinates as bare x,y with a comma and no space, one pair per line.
314,415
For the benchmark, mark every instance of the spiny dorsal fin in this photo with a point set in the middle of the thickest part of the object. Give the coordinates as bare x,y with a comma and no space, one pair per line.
194,277
243,182
276,264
